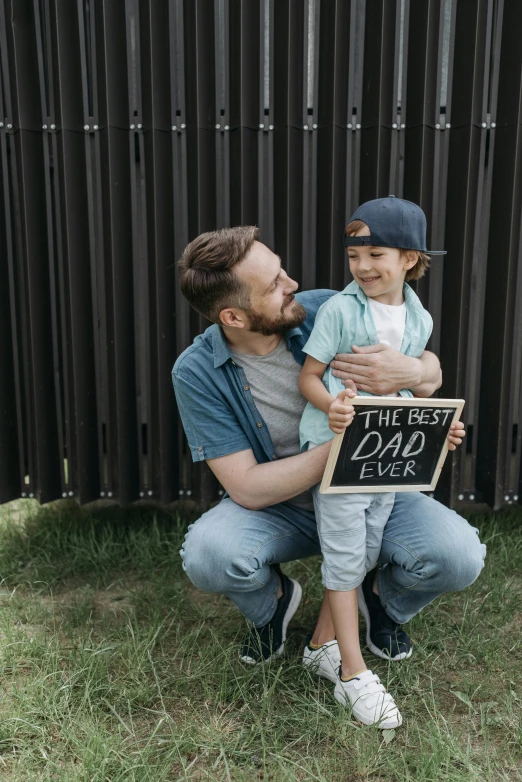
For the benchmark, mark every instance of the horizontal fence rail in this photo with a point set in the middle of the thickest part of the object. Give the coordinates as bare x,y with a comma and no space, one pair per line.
127,127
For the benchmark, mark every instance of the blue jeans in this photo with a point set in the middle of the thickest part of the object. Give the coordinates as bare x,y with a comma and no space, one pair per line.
427,550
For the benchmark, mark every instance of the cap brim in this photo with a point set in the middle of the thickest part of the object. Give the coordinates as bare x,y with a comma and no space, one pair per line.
436,252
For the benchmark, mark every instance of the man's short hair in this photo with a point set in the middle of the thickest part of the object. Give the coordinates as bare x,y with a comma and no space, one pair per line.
206,270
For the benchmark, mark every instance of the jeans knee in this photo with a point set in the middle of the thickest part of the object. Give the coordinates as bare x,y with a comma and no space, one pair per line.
200,554
215,562
461,564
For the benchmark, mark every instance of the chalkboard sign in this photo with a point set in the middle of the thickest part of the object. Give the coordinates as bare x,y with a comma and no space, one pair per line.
393,444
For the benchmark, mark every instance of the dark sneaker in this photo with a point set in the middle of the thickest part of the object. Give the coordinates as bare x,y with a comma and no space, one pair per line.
384,637
263,643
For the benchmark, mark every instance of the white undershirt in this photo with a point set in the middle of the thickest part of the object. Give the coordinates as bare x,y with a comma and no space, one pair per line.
390,322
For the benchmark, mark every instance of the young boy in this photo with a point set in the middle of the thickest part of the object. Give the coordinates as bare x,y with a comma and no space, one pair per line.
386,241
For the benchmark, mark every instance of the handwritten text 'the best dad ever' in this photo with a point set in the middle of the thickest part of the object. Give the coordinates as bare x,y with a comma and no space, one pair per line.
386,445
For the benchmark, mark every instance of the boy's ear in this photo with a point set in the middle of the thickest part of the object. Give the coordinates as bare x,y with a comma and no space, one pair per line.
411,258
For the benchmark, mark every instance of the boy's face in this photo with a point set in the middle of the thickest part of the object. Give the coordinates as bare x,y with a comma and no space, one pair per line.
380,271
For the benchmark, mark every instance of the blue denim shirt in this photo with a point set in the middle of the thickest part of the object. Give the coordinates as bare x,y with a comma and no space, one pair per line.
215,403
346,320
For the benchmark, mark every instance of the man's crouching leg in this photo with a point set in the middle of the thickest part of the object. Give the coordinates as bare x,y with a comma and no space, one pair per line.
231,550
427,550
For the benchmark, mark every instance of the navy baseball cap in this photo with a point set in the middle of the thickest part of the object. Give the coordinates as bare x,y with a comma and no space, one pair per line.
393,222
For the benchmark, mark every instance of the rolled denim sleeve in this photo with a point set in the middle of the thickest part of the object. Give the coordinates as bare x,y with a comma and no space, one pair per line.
210,424
326,335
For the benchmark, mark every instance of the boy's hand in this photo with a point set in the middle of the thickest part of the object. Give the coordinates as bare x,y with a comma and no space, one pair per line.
456,433
341,412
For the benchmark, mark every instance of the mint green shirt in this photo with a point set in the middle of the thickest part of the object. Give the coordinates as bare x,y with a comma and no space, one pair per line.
345,320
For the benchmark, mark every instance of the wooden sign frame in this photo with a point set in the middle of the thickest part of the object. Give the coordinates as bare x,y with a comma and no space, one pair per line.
327,488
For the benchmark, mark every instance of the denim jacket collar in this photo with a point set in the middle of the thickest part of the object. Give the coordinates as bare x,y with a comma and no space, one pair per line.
222,352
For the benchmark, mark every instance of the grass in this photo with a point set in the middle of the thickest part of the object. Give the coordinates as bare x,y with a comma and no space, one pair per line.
115,668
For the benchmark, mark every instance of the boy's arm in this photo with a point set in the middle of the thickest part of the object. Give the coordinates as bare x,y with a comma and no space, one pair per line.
311,384
340,413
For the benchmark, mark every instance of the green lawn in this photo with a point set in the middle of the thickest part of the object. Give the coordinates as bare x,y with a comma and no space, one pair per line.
114,668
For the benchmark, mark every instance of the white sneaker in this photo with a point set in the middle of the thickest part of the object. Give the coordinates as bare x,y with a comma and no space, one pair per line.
324,661
370,702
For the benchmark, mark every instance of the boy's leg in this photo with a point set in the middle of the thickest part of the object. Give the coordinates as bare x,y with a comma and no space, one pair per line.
341,524
355,685
345,615
377,516
230,550
427,550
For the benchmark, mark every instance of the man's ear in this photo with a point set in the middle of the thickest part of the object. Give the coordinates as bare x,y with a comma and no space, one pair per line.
234,318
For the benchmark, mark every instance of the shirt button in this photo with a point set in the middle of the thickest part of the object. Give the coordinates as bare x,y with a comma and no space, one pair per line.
200,448
260,424
245,388
234,363
274,457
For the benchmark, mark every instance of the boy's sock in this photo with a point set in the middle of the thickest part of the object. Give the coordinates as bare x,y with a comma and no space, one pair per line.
314,647
353,676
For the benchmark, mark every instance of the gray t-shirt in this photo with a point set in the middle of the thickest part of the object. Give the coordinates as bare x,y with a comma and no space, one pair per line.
273,383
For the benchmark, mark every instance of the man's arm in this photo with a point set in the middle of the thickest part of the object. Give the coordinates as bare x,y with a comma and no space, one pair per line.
371,364
255,486
379,369
431,375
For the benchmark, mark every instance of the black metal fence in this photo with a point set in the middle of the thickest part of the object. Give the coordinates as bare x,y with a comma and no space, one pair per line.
130,126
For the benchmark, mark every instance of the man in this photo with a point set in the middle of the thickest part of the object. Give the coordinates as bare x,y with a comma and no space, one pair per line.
236,389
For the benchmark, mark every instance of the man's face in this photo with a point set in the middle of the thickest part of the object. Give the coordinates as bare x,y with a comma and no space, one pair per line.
273,309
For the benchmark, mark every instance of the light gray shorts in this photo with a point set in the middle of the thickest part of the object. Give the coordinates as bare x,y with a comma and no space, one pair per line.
350,528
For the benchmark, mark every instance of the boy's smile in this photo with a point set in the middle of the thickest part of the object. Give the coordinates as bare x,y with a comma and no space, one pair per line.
368,280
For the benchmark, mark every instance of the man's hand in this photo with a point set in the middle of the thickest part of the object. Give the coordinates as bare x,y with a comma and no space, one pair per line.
380,370
341,412
456,434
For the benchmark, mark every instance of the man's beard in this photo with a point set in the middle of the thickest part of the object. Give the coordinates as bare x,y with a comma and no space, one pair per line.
267,326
